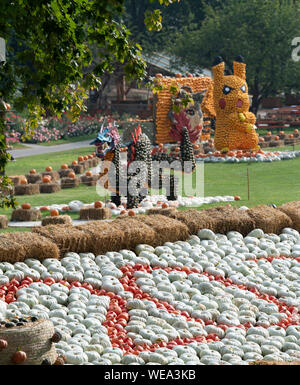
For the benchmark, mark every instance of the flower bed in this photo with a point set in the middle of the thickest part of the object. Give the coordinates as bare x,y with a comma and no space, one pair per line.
212,299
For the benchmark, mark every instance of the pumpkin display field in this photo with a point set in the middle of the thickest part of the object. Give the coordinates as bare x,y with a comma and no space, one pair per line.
208,297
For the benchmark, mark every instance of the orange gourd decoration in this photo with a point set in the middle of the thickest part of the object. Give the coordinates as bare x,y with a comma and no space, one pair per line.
234,123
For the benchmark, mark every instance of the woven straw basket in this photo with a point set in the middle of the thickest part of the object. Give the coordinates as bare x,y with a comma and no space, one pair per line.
34,340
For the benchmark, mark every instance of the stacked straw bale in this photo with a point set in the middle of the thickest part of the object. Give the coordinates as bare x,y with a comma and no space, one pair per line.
269,219
95,213
33,178
135,232
67,238
292,210
18,246
26,215
3,221
27,189
59,220
167,229
49,188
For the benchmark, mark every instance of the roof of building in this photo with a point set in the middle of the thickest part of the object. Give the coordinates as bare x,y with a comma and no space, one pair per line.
167,63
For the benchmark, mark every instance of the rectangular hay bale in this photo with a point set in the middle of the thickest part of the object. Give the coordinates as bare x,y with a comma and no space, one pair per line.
269,219
135,232
69,182
27,189
60,220
68,238
292,210
167,229
89,180
77,168
15,247
49,188
104,236
24,215
95,213
33,178
3,221
229,218
195,220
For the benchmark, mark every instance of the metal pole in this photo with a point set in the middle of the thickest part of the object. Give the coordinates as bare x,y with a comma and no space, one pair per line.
248,182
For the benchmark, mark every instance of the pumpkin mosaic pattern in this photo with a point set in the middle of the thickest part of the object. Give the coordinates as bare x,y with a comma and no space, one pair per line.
214,299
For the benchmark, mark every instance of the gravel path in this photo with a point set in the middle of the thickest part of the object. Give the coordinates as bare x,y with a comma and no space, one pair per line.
35,149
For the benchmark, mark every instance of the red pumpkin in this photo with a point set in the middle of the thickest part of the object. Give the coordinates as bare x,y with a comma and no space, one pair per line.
46,179
26,206
54,213
98,205
19,357
131,213
3,344
237,198
71,174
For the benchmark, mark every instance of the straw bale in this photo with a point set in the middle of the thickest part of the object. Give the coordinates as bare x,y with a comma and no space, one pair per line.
49,188
89,180
3,221
63,173
167,212
54,174
292,210
27,189
34,338
26,215
95,162
18,246
33,178
229,218
77,168
167,229
195,220
36,246
69,182
16,179
84,164
60,220
269,219
95,213
135,232
68,238
105,237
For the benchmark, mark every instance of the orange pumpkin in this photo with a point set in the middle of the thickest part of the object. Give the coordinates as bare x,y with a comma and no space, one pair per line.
74,162
164,206
46,179
89,173
48,168
269,133
54,213
178,75
26,206
276,137
80,159
131,213
44,208
237,198
291,136
33,171
296,131
85,157
64,166
71,174
23,181
98,205
159,75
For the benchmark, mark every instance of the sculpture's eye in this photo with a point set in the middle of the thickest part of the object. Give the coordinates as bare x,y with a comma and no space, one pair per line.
190,112
226,90
243,88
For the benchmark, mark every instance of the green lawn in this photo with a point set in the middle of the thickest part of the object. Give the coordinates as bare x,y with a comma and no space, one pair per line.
275,182
69,140
23,165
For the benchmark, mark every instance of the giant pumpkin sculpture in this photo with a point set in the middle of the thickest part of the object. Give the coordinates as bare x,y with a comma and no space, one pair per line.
228,101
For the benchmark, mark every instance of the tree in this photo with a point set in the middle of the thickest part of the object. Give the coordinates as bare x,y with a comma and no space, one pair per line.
260,31
49,46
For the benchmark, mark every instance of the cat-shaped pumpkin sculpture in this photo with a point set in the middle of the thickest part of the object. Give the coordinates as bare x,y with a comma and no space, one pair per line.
235,125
